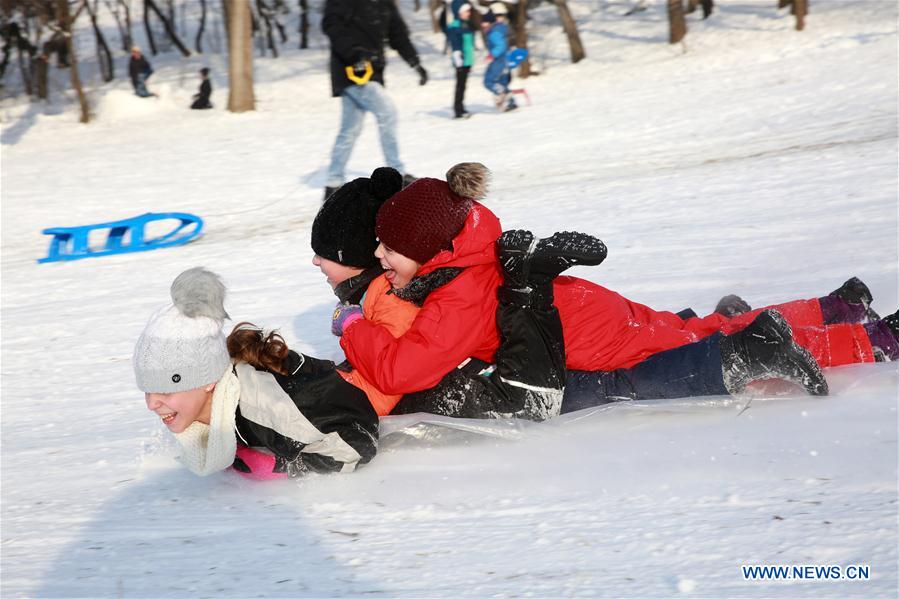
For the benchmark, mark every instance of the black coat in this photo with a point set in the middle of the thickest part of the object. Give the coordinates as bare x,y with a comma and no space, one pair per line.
329,403
357,30
136,66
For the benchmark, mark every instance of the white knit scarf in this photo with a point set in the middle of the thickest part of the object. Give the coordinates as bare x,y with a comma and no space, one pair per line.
208,448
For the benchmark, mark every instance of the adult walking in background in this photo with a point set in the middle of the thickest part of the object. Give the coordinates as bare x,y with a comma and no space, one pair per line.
357,30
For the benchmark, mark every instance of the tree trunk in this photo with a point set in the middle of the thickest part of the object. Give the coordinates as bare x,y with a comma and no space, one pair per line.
168,26
104,56
676,21
570,27
800,9
149,30
198,42
66,20
304,24
42,65
265,13
521,37
240,56
434,8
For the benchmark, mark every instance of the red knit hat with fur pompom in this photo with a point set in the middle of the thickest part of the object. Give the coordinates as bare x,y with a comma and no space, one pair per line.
422,219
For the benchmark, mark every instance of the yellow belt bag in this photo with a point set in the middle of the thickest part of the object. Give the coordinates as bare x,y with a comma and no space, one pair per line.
366,76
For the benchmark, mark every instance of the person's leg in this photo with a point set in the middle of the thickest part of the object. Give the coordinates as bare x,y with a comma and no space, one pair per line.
692,370
351,119
715,365
459,98
140,87
837,344
492,76
376,100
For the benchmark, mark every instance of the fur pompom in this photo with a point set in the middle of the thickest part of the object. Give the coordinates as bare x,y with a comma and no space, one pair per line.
469,180
385,182
199,292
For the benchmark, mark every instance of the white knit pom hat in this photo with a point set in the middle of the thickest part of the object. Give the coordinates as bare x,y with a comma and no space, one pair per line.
183,346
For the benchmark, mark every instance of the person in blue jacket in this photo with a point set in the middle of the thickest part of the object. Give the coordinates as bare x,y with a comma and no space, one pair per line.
498,76
459,34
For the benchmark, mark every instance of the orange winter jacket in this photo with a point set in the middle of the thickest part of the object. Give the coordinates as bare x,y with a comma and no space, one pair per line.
396,316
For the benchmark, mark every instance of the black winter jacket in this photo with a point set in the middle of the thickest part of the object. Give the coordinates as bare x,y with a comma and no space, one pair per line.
340,411
357,30
136,66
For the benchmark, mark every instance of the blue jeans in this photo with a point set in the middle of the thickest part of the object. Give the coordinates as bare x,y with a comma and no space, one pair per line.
356,100
140,86
497,76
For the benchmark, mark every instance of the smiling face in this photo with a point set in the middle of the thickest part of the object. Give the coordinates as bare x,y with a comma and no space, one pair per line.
335,272
179,410
399,269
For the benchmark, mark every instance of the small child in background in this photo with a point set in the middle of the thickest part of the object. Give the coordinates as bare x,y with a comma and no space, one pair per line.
201,99
498,76
459,34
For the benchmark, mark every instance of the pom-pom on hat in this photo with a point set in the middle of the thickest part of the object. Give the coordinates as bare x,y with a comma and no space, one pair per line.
344,228
183,346
422,219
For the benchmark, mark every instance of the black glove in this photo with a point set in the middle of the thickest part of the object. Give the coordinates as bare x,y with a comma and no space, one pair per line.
422,75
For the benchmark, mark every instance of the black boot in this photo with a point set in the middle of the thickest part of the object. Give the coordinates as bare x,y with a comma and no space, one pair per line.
515,249
527,261
854,291
765,350
732,305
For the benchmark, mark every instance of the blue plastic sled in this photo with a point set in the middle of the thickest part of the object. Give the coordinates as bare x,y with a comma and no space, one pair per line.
71,243
515,57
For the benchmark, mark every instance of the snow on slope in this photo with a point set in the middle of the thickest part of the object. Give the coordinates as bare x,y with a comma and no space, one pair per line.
761,162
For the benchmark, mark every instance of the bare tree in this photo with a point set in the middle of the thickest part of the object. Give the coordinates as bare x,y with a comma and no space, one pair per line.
104,56
521,36
123,21
304,24
240,55
570,27
198,41
434,7
676,21
798,8
65,21
169,28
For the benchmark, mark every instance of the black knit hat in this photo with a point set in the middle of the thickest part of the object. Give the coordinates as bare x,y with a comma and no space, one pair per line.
344,228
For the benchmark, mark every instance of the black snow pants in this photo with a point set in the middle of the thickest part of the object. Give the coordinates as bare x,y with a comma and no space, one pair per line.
526,381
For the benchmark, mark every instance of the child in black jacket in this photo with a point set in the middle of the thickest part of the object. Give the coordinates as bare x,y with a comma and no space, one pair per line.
220,397
201,99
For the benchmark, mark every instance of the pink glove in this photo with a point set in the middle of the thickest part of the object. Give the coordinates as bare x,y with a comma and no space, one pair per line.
256,465
344,316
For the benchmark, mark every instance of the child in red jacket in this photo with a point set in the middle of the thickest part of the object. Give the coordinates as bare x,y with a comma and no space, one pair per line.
437,244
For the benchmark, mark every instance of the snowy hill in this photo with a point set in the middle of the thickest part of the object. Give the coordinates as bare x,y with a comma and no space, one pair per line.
762,161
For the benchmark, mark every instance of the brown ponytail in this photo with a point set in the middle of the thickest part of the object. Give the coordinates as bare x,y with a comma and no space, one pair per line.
248,343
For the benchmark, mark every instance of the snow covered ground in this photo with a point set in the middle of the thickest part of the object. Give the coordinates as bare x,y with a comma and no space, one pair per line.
761,162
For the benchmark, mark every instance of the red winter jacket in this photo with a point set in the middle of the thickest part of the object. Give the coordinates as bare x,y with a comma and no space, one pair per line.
603,330
457,320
